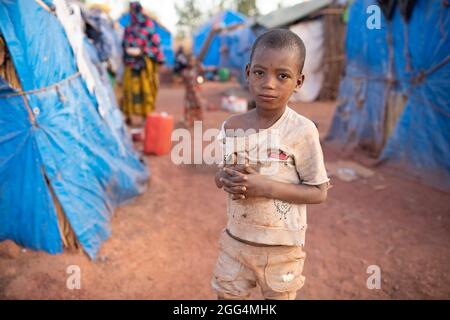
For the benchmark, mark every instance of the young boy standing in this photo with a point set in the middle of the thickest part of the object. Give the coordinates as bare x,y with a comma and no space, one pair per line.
267,193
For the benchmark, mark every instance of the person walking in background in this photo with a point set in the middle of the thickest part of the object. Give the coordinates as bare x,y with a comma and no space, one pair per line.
193,104
142,55
180,61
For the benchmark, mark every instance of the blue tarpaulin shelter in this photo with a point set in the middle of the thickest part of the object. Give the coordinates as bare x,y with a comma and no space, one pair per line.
55,140
164,35
237,46
396,90
222,19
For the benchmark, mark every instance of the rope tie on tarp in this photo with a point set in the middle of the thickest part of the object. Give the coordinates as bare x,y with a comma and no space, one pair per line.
23,94
424,73
416,79
50,87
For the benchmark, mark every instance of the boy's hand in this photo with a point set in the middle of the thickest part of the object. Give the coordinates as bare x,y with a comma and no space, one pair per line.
232,182
243,185
218,178
226,178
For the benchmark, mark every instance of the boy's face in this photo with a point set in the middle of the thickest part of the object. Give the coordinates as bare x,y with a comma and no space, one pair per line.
273,76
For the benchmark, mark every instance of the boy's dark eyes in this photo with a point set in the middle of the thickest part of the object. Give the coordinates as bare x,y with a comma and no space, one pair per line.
282,76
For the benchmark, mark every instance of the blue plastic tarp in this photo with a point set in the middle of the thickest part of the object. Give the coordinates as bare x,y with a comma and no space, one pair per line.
237,47
70,143
420,71
223,19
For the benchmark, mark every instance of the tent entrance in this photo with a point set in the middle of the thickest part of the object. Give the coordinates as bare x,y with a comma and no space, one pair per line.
7,69
68,237
393,109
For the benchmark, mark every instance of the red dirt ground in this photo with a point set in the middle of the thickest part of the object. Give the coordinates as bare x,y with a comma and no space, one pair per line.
164,243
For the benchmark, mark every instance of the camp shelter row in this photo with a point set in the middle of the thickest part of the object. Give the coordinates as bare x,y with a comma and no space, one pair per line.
320,24
390,77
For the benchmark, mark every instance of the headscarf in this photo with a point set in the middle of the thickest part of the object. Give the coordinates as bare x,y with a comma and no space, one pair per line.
141,34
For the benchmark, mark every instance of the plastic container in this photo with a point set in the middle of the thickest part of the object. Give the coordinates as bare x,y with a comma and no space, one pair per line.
234,104
224,74
158,131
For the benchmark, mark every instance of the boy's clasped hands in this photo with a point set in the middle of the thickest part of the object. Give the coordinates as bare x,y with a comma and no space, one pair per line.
242,181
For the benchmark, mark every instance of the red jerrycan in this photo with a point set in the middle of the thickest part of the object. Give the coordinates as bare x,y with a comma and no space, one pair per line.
158,131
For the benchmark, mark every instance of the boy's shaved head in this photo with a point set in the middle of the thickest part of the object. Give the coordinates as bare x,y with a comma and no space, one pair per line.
281,39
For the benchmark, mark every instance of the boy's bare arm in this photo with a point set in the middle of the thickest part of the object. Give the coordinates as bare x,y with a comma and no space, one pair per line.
296,193
254,184
234,122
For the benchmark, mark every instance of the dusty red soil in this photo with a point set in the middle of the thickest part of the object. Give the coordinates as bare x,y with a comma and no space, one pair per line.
164,243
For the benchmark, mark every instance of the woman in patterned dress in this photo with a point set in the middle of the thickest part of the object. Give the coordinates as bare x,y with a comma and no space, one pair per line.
142,56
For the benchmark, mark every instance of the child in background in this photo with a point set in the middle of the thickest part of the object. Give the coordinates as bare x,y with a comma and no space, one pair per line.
192,101
263,241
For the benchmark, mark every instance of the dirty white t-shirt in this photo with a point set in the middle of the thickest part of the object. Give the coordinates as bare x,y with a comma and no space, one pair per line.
289,151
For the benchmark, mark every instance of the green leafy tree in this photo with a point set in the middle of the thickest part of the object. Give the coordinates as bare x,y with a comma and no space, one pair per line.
280,4
247,7
218,6
189,17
